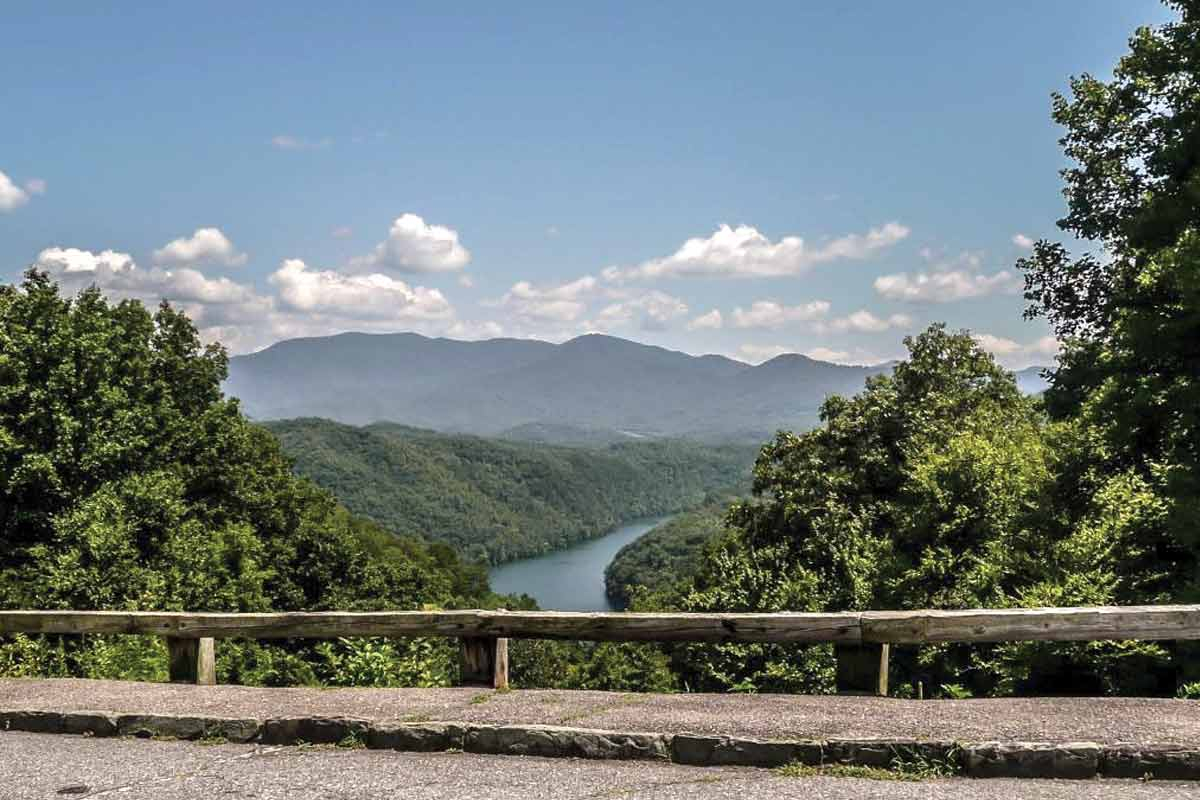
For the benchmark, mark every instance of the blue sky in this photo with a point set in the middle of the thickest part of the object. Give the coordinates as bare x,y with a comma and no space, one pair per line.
550,169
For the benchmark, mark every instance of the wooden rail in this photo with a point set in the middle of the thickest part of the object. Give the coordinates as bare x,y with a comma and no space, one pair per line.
861,635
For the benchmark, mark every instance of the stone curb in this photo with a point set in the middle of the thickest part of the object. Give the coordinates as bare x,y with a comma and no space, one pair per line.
1075,760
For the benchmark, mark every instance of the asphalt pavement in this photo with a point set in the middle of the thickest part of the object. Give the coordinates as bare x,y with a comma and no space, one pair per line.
41,767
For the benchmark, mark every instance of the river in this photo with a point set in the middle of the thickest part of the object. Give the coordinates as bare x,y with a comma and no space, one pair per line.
571,579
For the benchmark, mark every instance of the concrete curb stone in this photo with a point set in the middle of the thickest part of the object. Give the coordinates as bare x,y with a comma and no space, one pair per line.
422,737
1074,760
187,727
313,730
556,741
1163,762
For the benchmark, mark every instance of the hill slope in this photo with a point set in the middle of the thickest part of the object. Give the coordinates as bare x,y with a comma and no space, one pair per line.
498,500
593,383
665,555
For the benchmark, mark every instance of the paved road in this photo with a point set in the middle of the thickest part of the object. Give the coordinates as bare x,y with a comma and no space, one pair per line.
1052,719
38,767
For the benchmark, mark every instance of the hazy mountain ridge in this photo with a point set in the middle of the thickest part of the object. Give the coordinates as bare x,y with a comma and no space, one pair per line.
591,383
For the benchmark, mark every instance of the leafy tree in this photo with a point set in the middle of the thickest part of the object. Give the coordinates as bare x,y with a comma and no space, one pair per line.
127,481
1129,311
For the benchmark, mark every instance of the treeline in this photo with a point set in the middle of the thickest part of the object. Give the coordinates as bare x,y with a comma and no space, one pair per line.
941,486
494,500
128,482
667,557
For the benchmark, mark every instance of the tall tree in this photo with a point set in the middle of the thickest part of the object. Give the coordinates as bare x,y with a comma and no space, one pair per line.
1128,309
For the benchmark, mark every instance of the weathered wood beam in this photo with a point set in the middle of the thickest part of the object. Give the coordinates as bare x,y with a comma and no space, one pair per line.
483,662
781,627
192,661
862,668
1033,624
895,627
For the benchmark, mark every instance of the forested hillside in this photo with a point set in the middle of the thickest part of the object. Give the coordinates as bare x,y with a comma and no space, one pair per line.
667,556
130,483
498,500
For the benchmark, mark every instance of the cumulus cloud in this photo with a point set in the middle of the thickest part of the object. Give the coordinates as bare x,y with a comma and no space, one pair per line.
413,245
653,311
1022,241
1016,355
758,353
769,314
377,296
827,354
864,321
205,245
744,252
307,302
707,322
565,302
944,287
61,261
13,196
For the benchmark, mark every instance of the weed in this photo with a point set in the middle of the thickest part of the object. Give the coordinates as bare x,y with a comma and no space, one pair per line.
354,740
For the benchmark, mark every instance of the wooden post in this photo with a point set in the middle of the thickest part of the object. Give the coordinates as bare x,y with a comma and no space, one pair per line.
862,669
483,661
192,660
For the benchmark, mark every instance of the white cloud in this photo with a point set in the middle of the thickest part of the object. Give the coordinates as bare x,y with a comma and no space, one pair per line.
758,353
488,329
342,232
1022,241
707,322
653,311
944,287
466,281
309,302
744,252
13,196
769,314
863,321
287,142
415,246
565,302
205,245
1015,355
64,260
826,354
372,296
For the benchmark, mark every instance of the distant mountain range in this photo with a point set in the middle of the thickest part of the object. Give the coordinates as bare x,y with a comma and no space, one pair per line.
590,389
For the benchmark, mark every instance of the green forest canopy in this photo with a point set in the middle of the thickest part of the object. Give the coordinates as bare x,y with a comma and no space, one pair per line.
494,500
130,483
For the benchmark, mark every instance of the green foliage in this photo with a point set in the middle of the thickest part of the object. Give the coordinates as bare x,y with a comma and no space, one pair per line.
493,500
604,666
388,662
666,556
128,482
1127,389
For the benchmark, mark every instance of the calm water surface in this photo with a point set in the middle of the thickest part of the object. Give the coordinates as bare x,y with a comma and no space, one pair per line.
571,579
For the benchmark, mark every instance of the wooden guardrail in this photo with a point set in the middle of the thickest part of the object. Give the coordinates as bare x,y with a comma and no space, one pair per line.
862,637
